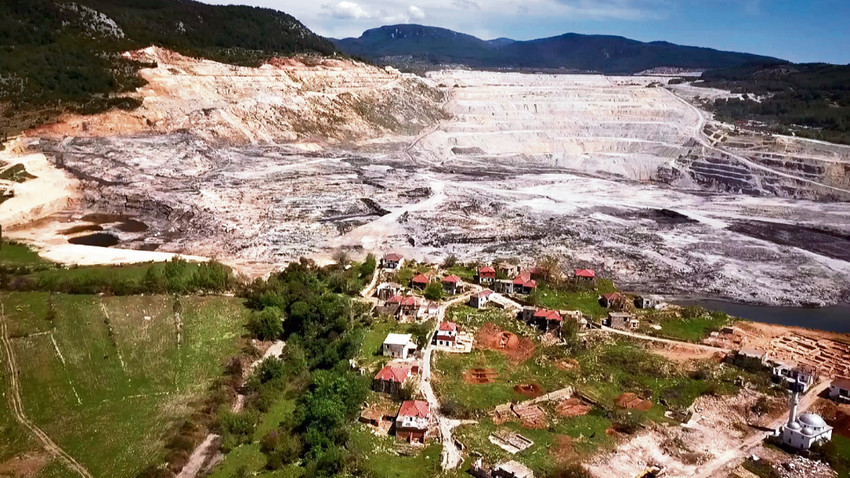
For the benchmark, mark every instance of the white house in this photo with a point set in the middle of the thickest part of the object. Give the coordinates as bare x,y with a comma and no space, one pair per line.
399,346
480,299
839,389
388,290
392,261
804,431
446,335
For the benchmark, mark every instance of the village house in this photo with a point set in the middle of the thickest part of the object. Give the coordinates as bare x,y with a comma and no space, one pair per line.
429,309
446,335
506,269
584,275
479,300
504,286
451,284
388,289
614,300
391,378
391,306
749,357
803,375
412,421
547,319
409,307
392,261
839,389
420,281
622,321
644,303
512,469
398,346
486,275
524,284
576,316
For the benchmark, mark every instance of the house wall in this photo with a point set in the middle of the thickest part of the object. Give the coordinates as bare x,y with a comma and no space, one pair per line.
836,392
397,351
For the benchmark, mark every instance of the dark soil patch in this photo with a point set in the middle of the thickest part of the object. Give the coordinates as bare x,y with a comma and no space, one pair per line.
528,389
132,225
820,241
480,375
99,239
629,400
572,407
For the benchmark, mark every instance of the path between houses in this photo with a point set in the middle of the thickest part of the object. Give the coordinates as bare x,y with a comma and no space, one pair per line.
451,457
677,343
17,405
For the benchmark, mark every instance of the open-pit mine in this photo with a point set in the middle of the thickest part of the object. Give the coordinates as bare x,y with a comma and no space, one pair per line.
259,166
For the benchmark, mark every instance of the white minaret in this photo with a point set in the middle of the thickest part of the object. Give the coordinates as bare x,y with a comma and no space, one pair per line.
795,400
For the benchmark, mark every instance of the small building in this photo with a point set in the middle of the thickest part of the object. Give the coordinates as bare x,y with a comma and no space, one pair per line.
504,286
839,389
486,275
614,300
388,289
479,300
429,309
410,307
622,321
512,469
412,421
446,335
371,417
506,269
420,281
398,346
804,431
644,302
451,284
749,357
584,275
803,376
392,261
391,378
547,319
527,313
524,284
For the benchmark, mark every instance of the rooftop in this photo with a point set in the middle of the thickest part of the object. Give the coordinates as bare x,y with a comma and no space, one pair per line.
841,382
397,339
589,273
421,279
452,278
414,408
393,373
393,257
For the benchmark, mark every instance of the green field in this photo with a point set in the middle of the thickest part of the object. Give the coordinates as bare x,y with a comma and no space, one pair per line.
379,457
105,377
585,301
13,254
688,326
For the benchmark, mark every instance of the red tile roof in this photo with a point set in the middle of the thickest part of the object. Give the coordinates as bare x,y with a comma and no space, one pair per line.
452,279
547,314
414,408
393,257
486,270
410,301
613,296
588,273
421,279
393,374
448,326
396,299
522,279
485,293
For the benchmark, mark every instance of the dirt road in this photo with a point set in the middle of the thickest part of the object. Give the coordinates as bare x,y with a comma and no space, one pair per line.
17,406
451,456
707,348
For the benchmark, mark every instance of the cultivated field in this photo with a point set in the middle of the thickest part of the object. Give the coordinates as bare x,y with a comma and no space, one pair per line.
106,377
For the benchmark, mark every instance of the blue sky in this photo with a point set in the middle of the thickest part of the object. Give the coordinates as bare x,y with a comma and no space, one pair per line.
796,30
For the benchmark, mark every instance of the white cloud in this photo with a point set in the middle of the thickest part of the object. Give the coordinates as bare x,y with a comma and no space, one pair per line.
347,10
415,13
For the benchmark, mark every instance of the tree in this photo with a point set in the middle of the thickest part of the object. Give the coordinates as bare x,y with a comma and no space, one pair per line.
367,268
266,324
409,390
450,261
341,258
433,291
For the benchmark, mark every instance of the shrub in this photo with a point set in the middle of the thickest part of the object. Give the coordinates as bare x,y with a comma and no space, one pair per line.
433,291
266,324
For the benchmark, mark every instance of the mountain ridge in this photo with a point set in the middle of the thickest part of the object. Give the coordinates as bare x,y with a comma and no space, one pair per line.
411,44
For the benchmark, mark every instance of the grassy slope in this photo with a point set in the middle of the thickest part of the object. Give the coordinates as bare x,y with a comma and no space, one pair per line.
115,427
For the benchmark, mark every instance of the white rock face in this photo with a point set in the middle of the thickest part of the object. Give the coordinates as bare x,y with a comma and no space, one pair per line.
608,173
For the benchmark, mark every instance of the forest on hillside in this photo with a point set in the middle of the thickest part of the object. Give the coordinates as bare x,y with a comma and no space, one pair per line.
809,100
58,56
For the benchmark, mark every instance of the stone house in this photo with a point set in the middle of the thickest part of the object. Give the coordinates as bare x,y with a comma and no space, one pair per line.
399,346
392,261
412,421
486,275
391,378
622,321
451,284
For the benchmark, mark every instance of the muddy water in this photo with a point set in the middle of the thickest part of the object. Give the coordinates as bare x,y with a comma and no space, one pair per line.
100,239
834,319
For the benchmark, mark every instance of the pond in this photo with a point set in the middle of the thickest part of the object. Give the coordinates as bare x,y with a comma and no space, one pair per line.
834,318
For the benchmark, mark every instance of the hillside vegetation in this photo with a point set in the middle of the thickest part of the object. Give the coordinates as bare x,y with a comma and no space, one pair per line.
57,55
811,100
419,46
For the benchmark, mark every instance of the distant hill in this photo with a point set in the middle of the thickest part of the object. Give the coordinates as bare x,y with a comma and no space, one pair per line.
58,55
411,45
